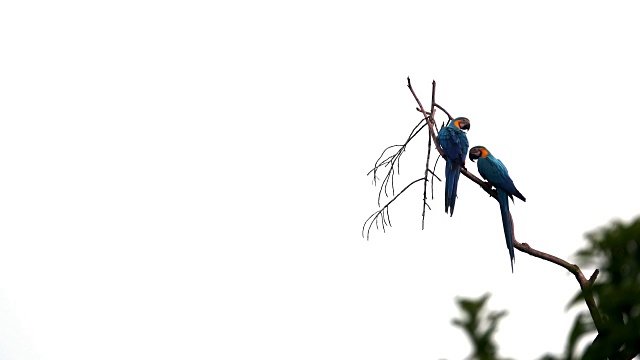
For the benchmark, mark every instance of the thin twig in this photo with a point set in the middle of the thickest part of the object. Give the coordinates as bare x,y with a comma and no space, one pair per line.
426,177
381,213
430,119
433,174
445,111
433,101
427,116
391,162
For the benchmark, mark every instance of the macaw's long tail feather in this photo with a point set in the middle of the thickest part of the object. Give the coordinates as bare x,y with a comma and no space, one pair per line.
452,174
503,199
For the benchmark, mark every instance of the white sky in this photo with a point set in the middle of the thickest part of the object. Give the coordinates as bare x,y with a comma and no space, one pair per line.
186,180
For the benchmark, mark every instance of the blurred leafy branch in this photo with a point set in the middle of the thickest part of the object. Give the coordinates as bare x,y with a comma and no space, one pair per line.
479,327
615,249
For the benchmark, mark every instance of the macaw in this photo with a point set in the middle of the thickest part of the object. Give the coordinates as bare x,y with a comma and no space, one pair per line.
494,171
454,142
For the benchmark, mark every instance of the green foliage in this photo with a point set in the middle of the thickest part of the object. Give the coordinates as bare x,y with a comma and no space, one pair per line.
615,251
480,328
582,325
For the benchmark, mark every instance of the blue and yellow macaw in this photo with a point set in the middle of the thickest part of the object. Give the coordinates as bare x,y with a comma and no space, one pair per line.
494,171
455,145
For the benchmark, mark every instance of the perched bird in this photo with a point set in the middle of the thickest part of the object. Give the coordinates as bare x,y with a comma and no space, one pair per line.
494,171
455,145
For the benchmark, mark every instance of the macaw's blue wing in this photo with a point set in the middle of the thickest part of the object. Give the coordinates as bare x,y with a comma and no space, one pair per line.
494,171
455,145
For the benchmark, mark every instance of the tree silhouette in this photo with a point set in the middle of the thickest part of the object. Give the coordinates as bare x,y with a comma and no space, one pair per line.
615,249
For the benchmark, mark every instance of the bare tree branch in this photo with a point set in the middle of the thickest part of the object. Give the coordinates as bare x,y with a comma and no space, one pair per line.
585,284
393,163
433,138
383,213
432,175
426,176
428,116
445,111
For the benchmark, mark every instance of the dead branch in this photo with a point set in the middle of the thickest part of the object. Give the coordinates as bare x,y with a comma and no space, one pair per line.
430,121
585,284
445,111
393,163
426,176
383,214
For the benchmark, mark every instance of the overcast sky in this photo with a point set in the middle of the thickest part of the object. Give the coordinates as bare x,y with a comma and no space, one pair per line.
187,180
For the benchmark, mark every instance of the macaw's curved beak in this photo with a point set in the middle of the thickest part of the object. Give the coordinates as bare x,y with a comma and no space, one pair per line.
474,154
465,125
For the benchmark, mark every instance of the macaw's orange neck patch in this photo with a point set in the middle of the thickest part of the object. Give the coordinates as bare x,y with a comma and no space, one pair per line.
483,152
457,123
